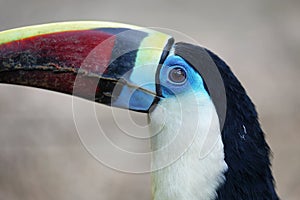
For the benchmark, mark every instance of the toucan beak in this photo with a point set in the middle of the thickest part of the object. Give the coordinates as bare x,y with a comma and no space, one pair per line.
110,63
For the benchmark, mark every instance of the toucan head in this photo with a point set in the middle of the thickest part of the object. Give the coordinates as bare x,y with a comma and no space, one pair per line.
114,64
144,70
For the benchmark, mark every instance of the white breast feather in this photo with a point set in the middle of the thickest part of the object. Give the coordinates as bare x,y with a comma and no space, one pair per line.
187,124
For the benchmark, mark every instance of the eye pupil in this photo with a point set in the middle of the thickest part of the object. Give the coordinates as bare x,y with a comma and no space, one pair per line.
177,75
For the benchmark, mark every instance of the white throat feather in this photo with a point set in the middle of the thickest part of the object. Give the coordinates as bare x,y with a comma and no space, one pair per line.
188,156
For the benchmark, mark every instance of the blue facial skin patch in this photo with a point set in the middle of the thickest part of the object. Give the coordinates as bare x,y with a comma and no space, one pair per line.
194,82
138,100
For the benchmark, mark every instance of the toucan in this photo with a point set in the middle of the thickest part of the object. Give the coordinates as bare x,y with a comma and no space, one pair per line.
206,140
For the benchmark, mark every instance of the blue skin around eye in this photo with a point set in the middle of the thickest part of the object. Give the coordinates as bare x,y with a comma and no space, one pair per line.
194,82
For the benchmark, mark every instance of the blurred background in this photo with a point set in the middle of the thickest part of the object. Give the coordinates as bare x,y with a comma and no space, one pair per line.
41,156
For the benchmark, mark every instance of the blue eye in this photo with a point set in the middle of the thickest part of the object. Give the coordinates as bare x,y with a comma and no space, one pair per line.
177,75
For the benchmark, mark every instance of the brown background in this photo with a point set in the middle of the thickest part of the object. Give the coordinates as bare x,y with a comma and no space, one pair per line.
41,156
